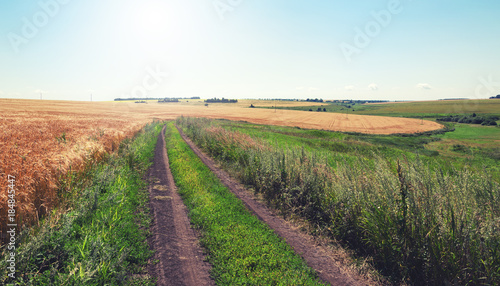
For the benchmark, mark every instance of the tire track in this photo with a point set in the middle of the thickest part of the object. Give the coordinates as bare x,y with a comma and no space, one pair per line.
180,259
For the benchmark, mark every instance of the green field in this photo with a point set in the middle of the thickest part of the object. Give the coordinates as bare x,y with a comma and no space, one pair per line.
472,143
424,218
474,133
417,109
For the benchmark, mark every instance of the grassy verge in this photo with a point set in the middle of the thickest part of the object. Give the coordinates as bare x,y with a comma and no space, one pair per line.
242,250
422,222
100,236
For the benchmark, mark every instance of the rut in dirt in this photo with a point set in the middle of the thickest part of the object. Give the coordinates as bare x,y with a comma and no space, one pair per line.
318,257
180,258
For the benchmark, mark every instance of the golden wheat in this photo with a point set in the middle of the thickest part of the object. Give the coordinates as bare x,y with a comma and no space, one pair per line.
41,141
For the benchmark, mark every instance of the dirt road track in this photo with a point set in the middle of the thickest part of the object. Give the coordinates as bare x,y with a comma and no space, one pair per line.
179,256
317,257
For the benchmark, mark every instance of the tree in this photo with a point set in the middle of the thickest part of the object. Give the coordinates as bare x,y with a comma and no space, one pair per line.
324,109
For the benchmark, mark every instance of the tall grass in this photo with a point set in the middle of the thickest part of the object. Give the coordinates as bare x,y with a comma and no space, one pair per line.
420,224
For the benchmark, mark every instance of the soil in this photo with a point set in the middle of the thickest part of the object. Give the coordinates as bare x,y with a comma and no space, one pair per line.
318,257
179,257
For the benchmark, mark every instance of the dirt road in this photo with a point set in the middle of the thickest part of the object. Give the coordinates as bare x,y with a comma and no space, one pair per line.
178,253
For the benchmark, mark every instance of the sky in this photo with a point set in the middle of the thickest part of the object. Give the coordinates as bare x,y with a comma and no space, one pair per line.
335,49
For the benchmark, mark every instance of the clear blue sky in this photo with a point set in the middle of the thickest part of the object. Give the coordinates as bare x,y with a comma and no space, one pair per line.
366,49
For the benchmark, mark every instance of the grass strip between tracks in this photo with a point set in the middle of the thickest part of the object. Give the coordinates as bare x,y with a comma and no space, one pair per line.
242,249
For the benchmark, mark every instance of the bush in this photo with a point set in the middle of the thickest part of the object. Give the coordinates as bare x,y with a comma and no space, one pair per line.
471,119
460,148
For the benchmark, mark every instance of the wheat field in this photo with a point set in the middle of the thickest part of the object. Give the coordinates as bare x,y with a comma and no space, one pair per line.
43,140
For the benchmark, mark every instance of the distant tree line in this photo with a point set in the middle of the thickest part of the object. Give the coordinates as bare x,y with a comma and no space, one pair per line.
350,101
471,119
154,98
356,101
278,99
314,100
321,100
495,97
221,100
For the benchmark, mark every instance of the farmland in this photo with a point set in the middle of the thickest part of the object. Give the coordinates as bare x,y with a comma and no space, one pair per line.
434,108
40,143
423,219
417,109
42,140
420,208
97,235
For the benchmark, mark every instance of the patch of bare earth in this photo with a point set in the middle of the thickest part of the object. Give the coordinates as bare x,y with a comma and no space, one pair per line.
179,257
327,263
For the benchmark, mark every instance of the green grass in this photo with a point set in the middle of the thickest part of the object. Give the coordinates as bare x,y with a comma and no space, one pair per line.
434,108
341,146
473,145
98,237
477,133
242,250
432,147
424,220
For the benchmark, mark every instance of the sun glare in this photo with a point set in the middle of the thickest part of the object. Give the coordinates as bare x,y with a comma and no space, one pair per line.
152,20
